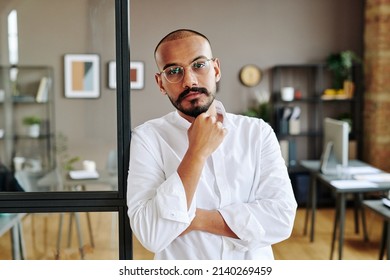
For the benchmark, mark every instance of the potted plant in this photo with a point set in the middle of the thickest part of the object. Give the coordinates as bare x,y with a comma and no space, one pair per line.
340,64
65,161
259,106
33,124
261,111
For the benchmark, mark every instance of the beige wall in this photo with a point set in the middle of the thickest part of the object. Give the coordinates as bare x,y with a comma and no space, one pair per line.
263,32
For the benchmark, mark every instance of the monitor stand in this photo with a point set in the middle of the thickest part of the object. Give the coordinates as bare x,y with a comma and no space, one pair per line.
328,164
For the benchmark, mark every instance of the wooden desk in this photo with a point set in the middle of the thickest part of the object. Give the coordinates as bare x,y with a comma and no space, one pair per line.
378,207
341,194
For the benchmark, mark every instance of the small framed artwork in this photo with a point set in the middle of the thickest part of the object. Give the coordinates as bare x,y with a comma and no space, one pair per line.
82,75
136,75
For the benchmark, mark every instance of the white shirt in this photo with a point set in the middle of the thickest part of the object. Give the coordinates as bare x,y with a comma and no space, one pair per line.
245,179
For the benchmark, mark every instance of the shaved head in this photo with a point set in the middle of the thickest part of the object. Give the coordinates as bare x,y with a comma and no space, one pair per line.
177,35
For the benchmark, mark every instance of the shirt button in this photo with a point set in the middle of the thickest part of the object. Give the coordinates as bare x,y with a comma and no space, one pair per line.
173,215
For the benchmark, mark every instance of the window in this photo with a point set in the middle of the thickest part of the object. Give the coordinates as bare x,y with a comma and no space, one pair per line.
13,37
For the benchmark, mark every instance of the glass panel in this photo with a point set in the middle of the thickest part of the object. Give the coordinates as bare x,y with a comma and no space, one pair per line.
44,132
64,236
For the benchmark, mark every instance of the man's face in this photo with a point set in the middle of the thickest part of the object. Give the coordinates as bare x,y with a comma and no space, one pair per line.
195,92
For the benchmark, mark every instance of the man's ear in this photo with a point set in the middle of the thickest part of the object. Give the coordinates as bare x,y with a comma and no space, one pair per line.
217,69
157,77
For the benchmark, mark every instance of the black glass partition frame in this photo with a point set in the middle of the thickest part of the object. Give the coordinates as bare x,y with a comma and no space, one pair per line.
93,201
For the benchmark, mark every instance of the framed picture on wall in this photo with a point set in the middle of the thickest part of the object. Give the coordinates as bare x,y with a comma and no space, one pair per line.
82,75
112,75
136,75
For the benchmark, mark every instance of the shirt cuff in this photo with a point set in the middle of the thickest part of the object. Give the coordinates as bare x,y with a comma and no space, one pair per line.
172,203
244,226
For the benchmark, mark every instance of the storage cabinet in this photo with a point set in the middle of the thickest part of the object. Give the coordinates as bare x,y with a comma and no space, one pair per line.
300,135
26,97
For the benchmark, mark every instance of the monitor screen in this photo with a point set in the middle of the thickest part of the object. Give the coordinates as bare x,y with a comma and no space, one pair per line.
336,136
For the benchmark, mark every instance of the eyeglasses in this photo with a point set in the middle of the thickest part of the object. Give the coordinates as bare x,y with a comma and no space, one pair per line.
175,73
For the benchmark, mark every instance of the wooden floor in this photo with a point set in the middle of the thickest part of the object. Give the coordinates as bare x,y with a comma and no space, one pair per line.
299,247
40,233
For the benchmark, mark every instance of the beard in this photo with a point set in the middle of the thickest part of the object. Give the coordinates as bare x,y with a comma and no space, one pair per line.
195,108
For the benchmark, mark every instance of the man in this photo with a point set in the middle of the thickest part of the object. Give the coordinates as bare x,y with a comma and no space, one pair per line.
202,183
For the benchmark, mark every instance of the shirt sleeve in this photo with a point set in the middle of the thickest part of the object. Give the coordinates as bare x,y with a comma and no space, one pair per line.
157,205
268,217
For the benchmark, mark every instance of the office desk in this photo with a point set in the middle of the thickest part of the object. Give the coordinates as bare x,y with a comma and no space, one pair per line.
55,181
105,178
378,207
313,166
341,193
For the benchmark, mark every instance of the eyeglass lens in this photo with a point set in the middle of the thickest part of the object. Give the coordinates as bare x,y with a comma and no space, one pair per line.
175,74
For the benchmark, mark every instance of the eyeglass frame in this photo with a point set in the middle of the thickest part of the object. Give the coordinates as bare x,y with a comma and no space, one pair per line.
184,67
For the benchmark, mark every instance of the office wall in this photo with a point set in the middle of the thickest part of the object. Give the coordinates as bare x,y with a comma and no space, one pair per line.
263,32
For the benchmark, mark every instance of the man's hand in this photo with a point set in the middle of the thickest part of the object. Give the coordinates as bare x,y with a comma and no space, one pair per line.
205,135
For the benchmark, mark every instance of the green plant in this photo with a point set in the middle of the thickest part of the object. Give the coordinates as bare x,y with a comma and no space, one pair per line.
31,120
66,161
261,111
340,64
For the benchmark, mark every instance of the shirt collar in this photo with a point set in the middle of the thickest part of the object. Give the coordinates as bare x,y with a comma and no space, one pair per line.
221,110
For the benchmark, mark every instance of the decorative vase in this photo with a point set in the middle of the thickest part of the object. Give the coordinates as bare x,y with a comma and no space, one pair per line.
349,88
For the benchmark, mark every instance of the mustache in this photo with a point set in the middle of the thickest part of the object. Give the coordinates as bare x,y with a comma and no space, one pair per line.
192,89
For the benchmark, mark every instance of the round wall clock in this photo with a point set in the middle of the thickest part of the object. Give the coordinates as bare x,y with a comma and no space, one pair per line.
250,75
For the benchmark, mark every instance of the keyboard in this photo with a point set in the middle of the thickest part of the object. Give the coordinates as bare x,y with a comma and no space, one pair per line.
386,202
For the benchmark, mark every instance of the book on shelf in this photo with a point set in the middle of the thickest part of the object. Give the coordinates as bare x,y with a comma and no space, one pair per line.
288,149
43,90
289,120
292,153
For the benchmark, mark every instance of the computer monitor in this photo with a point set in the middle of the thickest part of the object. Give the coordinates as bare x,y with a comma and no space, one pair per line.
335,152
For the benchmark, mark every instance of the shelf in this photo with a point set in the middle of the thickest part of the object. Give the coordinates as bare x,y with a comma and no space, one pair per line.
23,99
32,82
277,99
24,136
349,100
311,80
316,99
